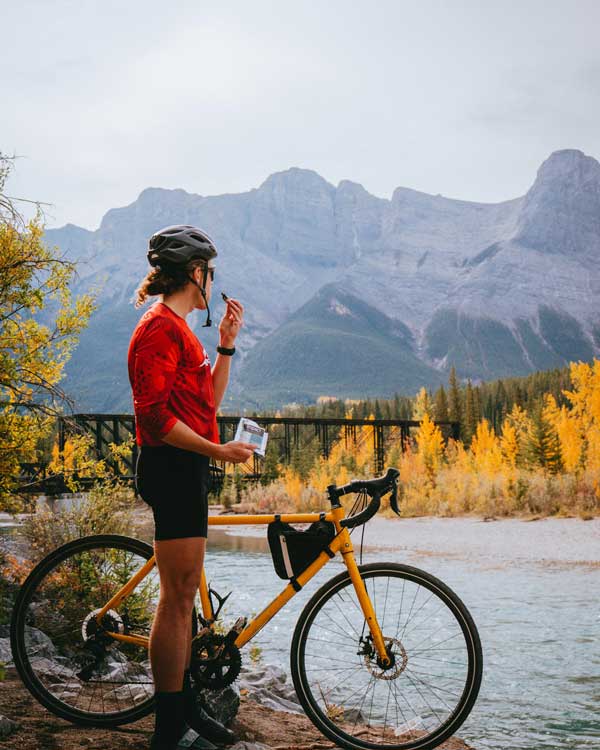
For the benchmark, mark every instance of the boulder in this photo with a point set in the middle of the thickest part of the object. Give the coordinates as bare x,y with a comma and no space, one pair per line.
7,727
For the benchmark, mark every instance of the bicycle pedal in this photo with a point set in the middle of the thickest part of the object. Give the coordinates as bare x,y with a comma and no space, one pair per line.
240,624
237,627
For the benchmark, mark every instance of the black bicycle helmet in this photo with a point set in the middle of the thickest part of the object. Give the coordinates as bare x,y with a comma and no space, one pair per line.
175,246
178,244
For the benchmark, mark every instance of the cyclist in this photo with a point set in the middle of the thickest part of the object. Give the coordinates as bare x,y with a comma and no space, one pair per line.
175,398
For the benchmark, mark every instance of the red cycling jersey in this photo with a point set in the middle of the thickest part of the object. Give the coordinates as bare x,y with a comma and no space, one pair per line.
171,378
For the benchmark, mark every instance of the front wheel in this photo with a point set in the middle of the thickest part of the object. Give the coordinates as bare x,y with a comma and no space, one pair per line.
431,683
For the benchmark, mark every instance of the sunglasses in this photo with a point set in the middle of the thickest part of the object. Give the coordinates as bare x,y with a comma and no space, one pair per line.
211,272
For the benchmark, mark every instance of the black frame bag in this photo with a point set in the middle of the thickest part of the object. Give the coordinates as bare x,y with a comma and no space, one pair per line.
294,550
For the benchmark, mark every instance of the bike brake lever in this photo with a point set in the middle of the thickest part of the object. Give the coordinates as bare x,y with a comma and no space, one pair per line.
394,500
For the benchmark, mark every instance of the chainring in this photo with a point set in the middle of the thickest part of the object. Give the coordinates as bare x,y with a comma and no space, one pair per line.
216,660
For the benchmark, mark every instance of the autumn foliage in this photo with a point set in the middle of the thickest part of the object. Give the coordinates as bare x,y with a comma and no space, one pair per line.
544,460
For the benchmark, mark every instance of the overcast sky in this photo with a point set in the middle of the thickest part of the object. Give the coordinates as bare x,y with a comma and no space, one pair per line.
463,98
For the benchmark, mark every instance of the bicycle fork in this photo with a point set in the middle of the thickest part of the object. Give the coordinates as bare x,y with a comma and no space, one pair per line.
347,552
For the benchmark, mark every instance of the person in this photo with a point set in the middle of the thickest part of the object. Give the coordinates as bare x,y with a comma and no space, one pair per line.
175,397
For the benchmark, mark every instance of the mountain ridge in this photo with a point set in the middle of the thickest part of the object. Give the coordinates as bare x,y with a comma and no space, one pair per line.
487,287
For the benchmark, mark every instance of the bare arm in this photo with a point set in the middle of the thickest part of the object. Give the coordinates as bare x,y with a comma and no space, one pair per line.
182,436
220,376
228,330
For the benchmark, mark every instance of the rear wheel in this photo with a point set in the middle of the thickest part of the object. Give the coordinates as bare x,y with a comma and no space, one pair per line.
423,695
69,664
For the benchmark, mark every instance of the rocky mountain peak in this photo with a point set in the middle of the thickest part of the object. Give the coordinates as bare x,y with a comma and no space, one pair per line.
296,179
561,211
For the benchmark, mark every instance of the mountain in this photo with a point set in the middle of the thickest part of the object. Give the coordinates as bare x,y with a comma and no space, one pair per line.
348,294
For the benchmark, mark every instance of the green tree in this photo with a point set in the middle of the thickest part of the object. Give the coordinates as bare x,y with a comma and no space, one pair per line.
469,425
542,447
440,405
455,411
32,354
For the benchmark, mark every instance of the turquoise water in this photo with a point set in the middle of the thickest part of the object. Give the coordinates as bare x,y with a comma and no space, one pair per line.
539,626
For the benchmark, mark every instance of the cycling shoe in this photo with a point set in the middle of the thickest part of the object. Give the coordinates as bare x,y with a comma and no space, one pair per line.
190,740
207,726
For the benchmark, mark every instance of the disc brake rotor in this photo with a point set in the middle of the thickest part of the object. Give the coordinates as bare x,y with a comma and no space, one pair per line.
398,656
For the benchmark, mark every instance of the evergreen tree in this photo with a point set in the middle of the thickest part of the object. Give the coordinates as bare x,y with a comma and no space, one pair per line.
469,424
440,407
542,442
477,406
455,411
377,411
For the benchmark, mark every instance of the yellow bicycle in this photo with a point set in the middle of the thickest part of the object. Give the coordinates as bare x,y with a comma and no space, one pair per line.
383,655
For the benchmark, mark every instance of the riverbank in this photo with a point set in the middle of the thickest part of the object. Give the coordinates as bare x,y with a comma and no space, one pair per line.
256,727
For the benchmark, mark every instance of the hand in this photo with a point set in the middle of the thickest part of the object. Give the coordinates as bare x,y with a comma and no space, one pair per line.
236,451
231,322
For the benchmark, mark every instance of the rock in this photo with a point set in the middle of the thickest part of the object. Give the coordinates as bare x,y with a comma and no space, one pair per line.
45,667
7,727
38,643
134,691
5,651
222,705
268,685
243,745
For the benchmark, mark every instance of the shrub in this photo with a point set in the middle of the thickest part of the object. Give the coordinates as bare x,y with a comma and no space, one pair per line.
106,509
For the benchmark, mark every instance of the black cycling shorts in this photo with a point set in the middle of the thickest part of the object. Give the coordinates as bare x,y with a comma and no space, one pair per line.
174,483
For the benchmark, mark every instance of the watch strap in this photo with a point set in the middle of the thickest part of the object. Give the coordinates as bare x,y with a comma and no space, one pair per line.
226,350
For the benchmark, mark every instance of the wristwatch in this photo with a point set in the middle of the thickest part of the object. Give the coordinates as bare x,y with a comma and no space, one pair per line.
225,350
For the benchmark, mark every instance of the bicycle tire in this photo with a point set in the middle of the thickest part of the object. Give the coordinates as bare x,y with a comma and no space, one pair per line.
306,693
22,661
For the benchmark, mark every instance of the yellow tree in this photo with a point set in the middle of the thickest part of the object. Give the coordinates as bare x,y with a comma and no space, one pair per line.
32,354
585,408
430,443
422,405
571,433
509,444
485,449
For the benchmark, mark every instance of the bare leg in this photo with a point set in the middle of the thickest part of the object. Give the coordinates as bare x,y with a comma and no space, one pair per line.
179,564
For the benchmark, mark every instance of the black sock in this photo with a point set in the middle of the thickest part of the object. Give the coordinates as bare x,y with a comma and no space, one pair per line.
170,719
189,694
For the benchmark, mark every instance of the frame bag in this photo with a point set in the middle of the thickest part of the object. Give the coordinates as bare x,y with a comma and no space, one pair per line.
293,550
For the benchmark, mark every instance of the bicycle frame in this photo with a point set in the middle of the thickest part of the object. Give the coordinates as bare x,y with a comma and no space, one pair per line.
341,543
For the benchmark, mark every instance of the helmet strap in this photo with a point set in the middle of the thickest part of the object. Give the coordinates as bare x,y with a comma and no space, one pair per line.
203,293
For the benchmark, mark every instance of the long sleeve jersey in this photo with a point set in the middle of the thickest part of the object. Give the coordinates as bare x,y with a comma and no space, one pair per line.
170,377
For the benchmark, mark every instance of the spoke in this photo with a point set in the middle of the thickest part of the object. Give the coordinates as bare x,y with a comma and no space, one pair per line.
333,632
328,658
410,610
441,676
345,618
400,610
349,599
439,643
441,661
418,624
392,688
342,680
437,687
358,713
382,623
416,687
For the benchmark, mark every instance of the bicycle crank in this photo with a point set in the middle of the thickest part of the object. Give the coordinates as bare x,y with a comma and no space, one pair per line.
216,660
